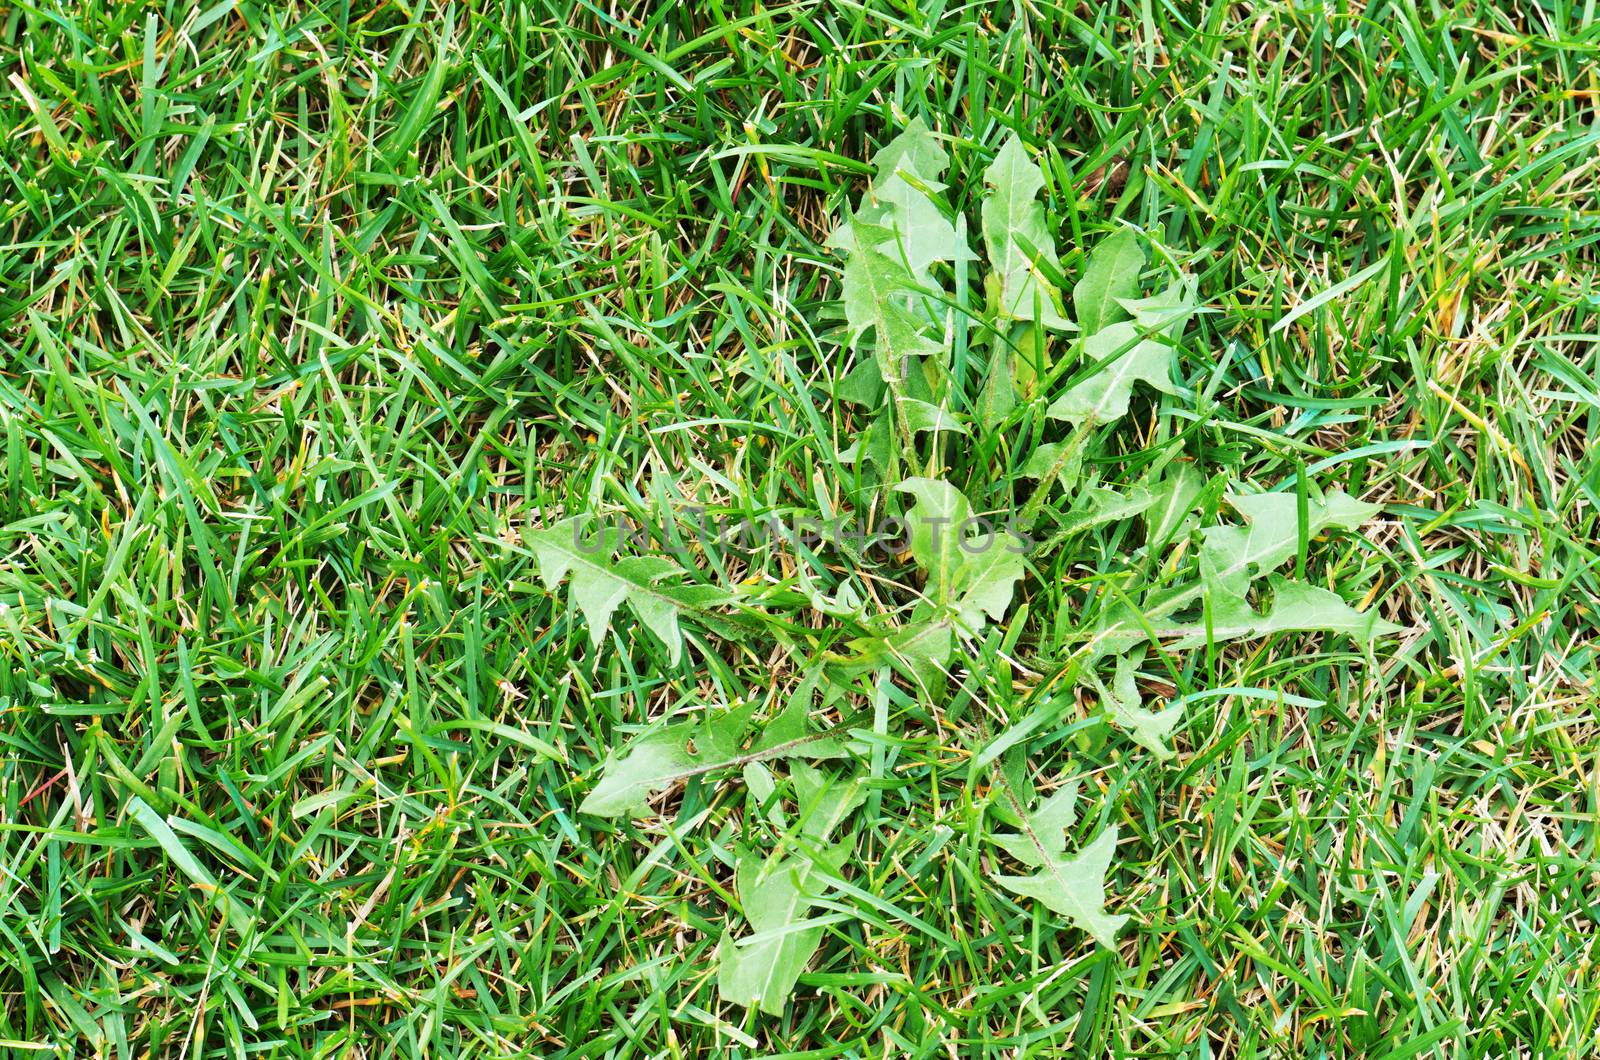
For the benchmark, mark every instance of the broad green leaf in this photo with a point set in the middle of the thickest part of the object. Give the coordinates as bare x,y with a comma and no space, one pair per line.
915,151
936,522
775,898
660,758
1111,275
1168,517
992,564
1044,830
846,603
1166,311
1125,707
1030,356
601,584
920,650
1231,555
921,416
670,754
999,394
1098,505
920,234
1017,239
1071,886
1129,359
894,236
776,895
862,386
877,298
909,167
1296,608
971,569
1053,462
1045,462
1075,887
824,799
1231,558
874,446
1017,360
1133,352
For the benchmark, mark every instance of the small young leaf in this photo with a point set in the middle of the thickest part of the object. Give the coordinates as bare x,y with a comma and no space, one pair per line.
1129,359
1030,356
1111,275
600,584
662,757
1124,705
1128,351
1043,828
1168,516
845,603
921,416
973,573
1017,238
1097,505
761,969
1075,887
1072,886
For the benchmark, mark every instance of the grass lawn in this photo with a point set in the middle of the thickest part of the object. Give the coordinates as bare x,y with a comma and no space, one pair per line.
324,733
